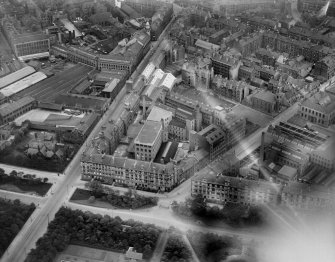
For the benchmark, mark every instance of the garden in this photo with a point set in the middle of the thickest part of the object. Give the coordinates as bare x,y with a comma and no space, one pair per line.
99,195
14,215
12,182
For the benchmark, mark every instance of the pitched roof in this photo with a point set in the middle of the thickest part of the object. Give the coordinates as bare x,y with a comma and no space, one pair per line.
9,108
321,102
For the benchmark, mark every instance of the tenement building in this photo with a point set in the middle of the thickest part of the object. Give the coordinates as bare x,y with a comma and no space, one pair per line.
222,189
211,138
232,89
130,172
319,109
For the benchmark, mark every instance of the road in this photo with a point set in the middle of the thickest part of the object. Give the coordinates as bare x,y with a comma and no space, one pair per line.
160,246
164,218
252,142
33,230
187,242
37,225
161,217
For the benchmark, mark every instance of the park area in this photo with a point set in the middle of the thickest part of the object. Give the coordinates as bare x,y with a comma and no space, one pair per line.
14,215
33,186
102,196
83,253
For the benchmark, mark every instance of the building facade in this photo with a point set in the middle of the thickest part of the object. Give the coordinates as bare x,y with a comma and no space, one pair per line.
319,109
232,89
148,141
13,110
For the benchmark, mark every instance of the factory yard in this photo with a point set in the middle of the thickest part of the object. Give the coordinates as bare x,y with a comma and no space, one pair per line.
40,115
50,88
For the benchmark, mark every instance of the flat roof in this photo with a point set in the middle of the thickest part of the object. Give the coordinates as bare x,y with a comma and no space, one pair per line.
111,86
149,133
25,38
206,45
157,113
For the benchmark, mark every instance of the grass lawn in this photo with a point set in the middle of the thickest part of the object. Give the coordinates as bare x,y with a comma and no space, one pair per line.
23,185
13,188
80,194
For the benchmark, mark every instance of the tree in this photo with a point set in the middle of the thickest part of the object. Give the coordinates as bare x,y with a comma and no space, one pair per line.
147,251
198,205
2,172
45,180
91,199
13,173
95,187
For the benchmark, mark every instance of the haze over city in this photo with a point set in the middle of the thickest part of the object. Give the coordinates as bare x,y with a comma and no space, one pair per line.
167,130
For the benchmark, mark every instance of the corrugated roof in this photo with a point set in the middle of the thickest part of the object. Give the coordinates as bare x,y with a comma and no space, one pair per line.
23,84
17,75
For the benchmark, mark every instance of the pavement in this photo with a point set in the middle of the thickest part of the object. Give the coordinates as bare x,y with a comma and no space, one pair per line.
36,226
52,176
31,232
194,255
160,246
163,217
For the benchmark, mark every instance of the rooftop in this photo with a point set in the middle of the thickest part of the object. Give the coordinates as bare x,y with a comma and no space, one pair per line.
158,113
265,96
206,45
11,107
321,102
149,133
30,37
177,122
15,76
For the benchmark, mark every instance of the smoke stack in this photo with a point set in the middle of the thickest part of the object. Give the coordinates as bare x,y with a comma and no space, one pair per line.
70,37
144,107
60,39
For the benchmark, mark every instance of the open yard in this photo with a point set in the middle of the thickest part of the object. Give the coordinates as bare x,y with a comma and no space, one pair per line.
47,116
48,89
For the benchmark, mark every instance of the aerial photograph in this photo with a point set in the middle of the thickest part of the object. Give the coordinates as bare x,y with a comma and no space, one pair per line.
167,130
